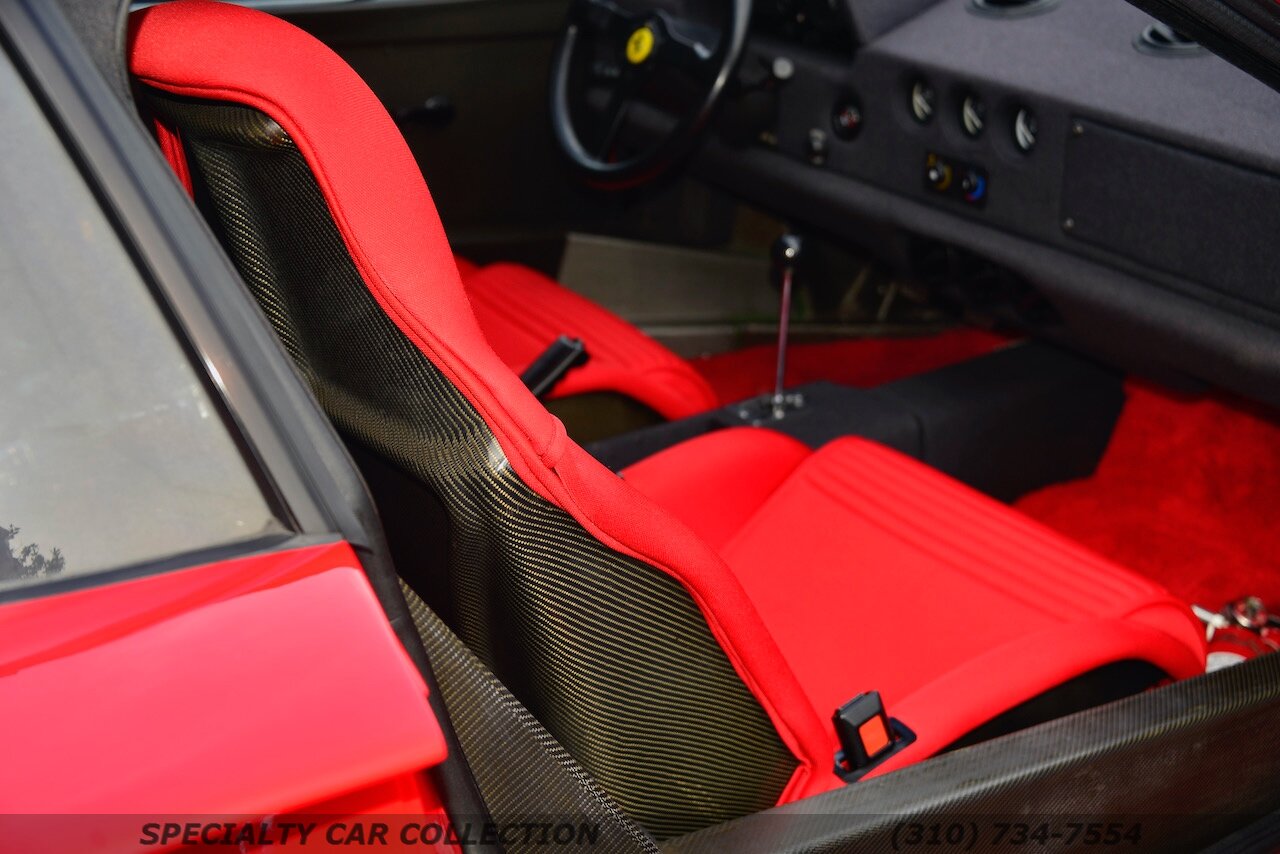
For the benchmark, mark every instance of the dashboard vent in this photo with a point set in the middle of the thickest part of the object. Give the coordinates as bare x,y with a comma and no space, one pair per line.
1160,39
1010,8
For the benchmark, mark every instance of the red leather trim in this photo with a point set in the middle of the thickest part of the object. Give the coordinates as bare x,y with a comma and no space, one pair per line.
381,205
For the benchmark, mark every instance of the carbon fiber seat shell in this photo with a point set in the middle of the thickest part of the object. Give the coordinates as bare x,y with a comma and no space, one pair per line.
595,643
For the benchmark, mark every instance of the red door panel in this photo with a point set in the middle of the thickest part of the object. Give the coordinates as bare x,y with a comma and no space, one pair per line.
245,688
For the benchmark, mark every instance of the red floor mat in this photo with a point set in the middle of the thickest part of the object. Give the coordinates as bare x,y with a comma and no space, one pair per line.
1187,494
857,362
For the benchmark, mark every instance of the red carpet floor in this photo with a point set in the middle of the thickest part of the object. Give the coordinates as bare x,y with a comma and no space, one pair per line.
1188,493
856,362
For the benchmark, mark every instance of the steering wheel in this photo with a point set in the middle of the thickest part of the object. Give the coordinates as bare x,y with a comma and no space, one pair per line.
624,63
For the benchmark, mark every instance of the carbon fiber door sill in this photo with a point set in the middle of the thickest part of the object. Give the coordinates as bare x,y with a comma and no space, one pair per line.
1188,765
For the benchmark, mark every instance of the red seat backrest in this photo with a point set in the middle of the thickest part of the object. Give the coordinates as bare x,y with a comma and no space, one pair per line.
405,272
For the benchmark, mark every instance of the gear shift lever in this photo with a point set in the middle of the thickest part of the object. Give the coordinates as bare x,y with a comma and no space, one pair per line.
786,256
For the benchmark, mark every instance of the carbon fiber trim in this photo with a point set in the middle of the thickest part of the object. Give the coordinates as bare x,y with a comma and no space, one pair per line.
1190,762
514,759
609,653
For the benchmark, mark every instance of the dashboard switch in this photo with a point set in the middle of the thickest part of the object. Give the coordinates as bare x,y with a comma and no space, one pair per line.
782,69
846,118
964,182
1025,130
938,174
974,186
973,116
817,147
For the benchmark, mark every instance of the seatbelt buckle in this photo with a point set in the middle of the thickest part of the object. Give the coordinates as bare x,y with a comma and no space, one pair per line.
868,736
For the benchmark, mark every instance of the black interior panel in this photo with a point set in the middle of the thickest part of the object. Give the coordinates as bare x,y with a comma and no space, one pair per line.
1077,61
832,24
874,18
1221,232
1114,292
1007,423
502,187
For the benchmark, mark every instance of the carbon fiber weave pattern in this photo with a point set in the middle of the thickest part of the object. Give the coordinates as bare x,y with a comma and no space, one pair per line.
610,654
1187,763
483,707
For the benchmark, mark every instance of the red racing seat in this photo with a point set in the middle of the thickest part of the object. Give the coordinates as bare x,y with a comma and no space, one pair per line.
522,311
948,586
687,648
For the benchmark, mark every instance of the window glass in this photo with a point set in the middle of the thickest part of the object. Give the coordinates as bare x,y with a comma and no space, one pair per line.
111,452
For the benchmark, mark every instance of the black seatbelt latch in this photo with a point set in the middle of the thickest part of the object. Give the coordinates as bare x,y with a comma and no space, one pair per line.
563,355
868,736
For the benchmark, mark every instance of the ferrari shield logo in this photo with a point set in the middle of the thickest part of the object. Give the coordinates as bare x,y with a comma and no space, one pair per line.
640,45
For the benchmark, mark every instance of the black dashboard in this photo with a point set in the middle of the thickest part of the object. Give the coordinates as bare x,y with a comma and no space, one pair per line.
1131,179
818,24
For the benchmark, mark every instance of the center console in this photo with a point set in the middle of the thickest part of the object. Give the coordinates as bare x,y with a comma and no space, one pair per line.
1021,418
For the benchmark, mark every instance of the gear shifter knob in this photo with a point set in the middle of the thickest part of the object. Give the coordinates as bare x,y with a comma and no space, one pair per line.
786,253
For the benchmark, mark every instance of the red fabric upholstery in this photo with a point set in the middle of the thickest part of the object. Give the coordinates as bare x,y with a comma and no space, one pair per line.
913,585
465,266
522,311
714,483
171,147
798,557
204,49
943,600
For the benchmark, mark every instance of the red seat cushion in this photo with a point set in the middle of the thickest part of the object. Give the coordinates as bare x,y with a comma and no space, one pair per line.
714,483
522,311
874,572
